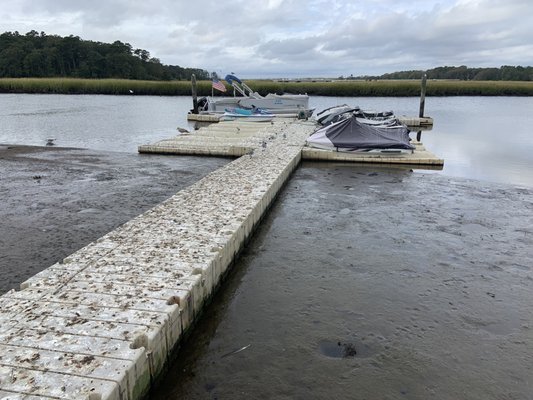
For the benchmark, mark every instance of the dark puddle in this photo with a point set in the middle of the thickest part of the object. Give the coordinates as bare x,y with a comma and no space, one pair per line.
346,349
337,349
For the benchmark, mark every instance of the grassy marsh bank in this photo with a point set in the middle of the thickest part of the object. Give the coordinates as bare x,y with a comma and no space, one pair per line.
333,88
95,86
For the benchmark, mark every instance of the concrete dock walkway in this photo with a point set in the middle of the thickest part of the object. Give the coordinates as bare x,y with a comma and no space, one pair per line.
102,323
237,138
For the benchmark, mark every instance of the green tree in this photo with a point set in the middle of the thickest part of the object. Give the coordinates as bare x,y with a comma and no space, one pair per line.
40,55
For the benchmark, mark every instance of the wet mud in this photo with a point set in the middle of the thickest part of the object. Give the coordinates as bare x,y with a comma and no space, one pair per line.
372,284
360,283
57,200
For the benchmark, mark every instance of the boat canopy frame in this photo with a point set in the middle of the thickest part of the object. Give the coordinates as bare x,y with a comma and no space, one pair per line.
241,87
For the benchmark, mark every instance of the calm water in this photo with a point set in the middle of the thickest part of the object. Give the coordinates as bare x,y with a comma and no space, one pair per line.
486,138
115,123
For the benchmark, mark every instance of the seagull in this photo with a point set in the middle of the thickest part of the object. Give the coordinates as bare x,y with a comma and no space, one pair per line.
131,91
182,130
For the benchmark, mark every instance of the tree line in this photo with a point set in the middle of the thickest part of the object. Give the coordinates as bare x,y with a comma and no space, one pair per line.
504,73
39,55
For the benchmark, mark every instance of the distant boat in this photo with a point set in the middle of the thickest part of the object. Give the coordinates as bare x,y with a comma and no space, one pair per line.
297,104
252,115
248,111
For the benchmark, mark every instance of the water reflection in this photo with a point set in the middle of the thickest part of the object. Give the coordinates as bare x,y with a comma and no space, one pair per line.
484,138
115,123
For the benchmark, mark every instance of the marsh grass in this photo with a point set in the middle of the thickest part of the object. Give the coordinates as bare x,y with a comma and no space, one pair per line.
94,86
333,88
397,88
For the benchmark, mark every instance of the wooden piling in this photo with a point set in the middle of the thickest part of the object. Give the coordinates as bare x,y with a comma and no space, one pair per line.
422,95
194,95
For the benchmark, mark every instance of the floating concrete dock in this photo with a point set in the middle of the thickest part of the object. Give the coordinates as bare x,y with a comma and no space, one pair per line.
102,323
226,139
419,158
237,138
409,121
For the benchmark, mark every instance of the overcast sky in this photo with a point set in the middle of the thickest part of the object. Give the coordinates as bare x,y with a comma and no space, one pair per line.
295,38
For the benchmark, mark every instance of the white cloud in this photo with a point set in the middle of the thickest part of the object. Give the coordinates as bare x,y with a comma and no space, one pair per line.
295,37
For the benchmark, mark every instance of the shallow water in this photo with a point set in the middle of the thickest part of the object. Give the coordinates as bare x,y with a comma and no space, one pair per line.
486,138
96,122
367,283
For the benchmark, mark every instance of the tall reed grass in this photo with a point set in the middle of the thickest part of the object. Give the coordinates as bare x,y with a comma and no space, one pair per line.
397,88
94,86
333,88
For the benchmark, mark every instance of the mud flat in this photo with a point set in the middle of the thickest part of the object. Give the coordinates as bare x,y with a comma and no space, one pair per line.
101,323
57,200
373,283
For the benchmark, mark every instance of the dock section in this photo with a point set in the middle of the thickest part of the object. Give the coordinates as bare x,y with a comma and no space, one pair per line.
415,122
237,138
409,121
101,324
226,139
420,157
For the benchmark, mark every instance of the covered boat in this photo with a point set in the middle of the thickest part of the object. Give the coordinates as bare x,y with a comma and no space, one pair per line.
351,135
337,113
334,114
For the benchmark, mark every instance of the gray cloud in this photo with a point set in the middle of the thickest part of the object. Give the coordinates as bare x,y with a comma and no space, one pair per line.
295,37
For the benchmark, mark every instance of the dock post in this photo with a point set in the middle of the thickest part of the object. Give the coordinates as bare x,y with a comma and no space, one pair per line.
422,103
194,95
422,95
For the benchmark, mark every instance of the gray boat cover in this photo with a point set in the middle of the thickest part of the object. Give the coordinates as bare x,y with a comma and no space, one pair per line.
351,135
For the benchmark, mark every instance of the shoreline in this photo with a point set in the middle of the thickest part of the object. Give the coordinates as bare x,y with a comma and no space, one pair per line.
349,88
